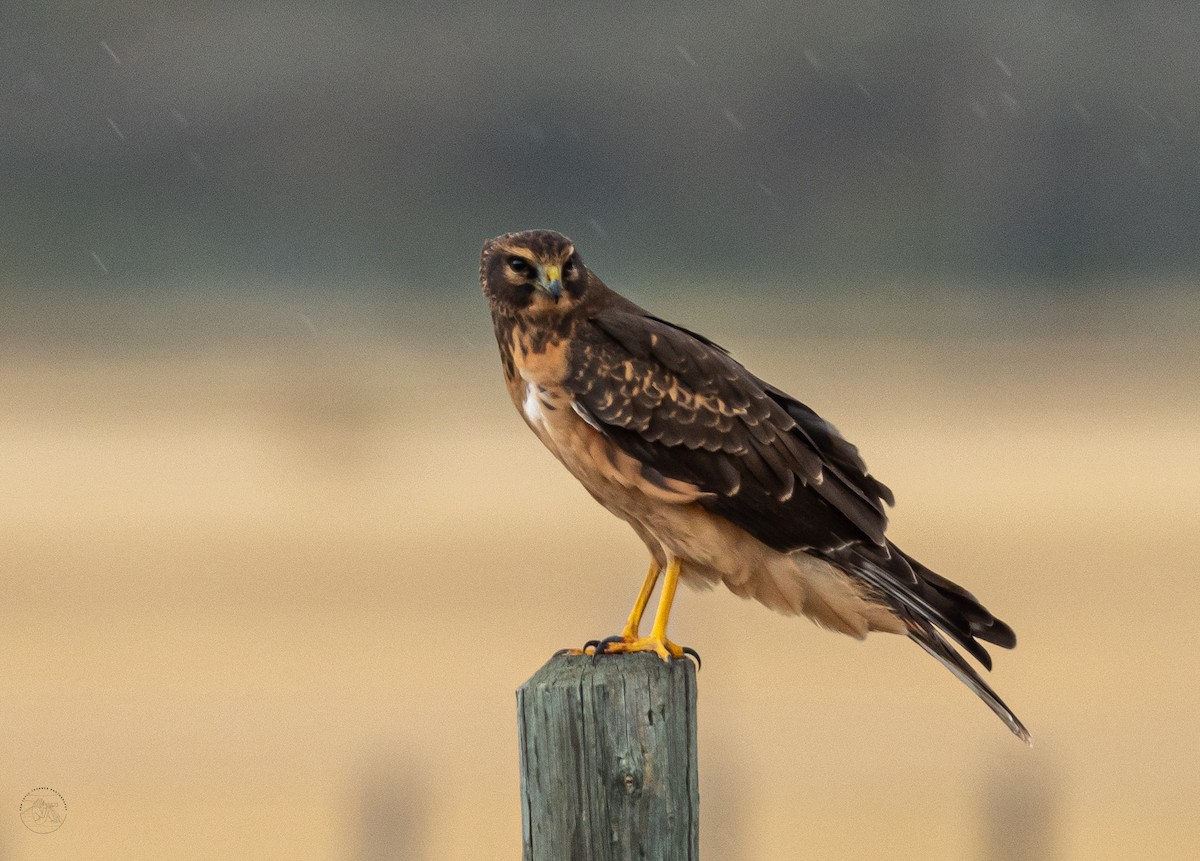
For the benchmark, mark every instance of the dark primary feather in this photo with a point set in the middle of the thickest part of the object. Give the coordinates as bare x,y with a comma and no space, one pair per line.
683,407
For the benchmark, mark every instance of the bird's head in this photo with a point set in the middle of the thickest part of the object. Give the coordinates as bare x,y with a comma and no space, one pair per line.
535,271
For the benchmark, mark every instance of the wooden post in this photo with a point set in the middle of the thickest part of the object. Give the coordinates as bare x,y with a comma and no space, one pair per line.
608,759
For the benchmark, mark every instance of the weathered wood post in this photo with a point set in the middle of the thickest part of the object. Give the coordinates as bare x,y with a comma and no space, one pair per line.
608,759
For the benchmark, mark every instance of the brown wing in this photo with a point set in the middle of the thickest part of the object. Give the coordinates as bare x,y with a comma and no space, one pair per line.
687,410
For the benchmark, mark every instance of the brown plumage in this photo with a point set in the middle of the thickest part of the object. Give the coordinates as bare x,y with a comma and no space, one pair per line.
723,476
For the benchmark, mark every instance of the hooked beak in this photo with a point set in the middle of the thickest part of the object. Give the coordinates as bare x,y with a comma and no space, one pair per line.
550,280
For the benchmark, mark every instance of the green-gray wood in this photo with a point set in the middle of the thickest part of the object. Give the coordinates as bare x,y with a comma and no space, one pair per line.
608,760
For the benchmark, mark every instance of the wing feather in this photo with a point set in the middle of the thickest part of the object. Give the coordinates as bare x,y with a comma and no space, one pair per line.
683,406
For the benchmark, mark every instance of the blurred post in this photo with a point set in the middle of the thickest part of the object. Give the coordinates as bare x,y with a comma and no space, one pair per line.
1021,804
391,811
608,759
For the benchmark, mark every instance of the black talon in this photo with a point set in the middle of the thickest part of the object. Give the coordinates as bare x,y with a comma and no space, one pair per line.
602,646
688,650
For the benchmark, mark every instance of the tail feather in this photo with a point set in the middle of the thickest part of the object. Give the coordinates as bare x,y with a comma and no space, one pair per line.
907,589
930,606
926,636
983,624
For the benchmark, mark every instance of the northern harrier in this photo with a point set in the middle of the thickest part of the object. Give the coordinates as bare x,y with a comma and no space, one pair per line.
723,476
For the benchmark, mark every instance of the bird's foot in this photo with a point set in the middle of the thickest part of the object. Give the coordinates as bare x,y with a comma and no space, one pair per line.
626,644
598,647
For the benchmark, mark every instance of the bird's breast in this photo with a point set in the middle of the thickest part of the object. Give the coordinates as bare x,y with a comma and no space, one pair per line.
620,482
539,357
540,361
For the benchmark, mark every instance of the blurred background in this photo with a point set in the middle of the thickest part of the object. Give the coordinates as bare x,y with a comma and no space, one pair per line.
275,550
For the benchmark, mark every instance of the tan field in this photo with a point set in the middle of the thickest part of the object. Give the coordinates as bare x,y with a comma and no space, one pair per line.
273,569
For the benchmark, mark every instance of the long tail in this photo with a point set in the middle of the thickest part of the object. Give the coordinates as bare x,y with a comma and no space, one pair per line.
926,636
931,606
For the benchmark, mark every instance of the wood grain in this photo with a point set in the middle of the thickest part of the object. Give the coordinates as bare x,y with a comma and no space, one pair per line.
608,759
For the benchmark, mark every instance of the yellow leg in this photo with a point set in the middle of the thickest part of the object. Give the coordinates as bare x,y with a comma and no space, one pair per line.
639,607
659,631
657,641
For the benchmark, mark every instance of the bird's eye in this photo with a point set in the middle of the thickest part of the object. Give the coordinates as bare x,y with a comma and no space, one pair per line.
521,267
568,269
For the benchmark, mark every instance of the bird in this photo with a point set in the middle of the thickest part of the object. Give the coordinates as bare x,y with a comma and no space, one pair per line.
724,477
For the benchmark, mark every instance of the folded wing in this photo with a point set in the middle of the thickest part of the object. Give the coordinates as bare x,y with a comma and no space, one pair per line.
687,410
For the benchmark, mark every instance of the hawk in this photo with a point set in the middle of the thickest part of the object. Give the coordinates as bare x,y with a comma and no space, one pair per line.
723,476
